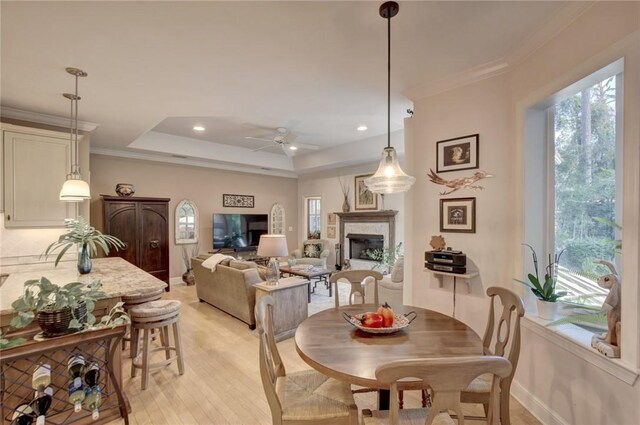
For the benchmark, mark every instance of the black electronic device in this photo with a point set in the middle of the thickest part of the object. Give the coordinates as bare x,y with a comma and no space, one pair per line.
239,231
446,268
453,258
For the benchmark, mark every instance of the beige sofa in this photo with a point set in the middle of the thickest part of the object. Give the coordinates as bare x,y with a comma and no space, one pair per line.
229,287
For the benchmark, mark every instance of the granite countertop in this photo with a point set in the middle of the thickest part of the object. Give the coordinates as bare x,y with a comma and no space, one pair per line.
118,277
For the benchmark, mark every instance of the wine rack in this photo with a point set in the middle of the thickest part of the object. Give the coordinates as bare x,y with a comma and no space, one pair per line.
99,346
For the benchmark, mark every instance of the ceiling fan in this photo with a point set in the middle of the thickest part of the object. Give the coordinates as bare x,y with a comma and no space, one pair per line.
284,139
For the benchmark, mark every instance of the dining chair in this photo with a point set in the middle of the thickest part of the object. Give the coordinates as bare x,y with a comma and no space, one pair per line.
447,378
306,397
357,279
507,345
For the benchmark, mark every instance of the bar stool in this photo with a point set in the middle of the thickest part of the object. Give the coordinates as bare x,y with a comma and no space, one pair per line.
133,300
160,314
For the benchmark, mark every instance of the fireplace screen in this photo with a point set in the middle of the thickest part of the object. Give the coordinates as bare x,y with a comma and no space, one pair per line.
363,246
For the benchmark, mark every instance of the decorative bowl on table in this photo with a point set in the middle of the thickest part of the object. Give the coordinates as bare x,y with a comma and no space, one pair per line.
400,321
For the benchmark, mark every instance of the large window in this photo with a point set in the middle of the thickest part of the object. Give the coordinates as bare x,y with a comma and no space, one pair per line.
314,216
584,187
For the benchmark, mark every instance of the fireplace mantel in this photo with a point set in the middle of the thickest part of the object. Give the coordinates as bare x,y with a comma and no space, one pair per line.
386,216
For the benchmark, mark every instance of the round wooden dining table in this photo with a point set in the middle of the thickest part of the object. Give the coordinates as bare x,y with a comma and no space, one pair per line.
334,347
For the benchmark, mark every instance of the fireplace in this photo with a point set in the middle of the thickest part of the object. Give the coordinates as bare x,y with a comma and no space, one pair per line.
361,246
377,225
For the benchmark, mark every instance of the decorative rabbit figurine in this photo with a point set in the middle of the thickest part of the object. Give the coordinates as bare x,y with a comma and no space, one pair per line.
609,343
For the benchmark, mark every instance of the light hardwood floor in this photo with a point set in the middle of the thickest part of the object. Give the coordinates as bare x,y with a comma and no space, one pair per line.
221,384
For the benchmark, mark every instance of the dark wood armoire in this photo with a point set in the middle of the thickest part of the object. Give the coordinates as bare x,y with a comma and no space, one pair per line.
143,225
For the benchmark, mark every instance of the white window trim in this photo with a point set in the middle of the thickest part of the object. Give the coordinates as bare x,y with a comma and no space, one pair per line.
578,341
306,215
570,337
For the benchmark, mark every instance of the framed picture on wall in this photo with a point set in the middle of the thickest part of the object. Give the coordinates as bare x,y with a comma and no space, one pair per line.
458,215
237,201
331,232
365,199
460,153
331,219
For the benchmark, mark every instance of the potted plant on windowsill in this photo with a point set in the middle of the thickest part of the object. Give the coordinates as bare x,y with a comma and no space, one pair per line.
88,239
545,290
58,309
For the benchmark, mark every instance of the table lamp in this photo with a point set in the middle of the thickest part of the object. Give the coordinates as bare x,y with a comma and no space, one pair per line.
273,246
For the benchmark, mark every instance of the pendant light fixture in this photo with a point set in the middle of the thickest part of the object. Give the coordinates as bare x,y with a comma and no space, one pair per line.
74,189
389,178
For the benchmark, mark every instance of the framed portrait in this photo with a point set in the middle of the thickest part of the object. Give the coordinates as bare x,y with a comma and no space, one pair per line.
365,199
460,153
458,215
331,232
237,201
331,219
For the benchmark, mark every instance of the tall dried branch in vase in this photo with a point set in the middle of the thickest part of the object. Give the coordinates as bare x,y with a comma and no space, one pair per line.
345,188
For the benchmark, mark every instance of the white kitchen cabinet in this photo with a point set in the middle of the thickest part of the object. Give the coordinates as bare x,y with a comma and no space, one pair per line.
35,166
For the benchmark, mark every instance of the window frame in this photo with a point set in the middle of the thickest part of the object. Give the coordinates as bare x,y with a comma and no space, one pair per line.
550,148
196,225
308,201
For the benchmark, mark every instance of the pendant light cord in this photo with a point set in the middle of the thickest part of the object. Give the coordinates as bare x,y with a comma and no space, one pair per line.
76,147
389,81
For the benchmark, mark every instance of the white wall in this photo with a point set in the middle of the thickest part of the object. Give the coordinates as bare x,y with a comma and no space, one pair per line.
557,385
204,186
327,186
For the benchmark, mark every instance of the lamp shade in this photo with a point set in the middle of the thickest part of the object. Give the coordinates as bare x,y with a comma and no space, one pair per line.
389,178
273,246
75,190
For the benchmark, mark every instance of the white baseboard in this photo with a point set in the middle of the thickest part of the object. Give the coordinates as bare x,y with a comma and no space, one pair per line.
533,404
176,281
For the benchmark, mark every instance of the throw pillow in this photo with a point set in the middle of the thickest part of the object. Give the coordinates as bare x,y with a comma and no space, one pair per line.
397,272
312,250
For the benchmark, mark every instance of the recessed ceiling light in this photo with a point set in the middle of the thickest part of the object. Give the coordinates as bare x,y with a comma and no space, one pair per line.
198,128
362,128
293,148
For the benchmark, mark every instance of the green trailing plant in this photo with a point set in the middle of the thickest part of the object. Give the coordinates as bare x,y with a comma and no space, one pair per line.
42,295
544,290
82,234
385,257
117,316
8,343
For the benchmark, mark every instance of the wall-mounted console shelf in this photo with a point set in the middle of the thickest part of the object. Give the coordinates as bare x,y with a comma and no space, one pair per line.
465,277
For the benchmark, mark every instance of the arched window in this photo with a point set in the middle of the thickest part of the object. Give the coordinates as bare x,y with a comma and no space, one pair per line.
186,222
277,220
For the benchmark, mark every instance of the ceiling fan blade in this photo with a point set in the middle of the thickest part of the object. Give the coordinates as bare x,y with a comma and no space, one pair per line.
287,151
263,147
305,146
258,138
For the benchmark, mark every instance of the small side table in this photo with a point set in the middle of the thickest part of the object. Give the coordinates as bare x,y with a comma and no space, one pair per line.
290,304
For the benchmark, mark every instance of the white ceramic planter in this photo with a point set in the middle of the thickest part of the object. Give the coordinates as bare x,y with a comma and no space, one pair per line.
547,310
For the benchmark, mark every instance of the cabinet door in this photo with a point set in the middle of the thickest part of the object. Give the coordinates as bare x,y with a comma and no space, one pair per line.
35,167
154,240
120,221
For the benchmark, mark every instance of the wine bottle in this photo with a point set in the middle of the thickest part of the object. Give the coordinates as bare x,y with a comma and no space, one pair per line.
92,375
41,404
92,400
23,415
76,389
41,377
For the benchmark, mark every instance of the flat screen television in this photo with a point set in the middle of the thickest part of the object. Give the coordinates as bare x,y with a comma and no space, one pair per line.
238,230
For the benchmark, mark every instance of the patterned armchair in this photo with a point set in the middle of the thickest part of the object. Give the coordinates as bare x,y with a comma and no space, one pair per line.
313,251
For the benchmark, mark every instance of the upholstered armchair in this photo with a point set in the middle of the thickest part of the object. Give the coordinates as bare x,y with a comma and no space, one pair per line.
313,251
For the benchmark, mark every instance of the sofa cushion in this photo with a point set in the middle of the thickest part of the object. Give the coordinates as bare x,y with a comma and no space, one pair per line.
242,265
397,272
312,250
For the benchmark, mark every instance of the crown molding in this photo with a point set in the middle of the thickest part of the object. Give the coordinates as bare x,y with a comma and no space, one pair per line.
190,162
541,36
548,30
36,117
478,73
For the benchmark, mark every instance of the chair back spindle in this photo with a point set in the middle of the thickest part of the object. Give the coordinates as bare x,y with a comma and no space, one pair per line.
357,279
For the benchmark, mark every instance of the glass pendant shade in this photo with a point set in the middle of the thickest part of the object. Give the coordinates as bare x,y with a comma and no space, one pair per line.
389,178
75,190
